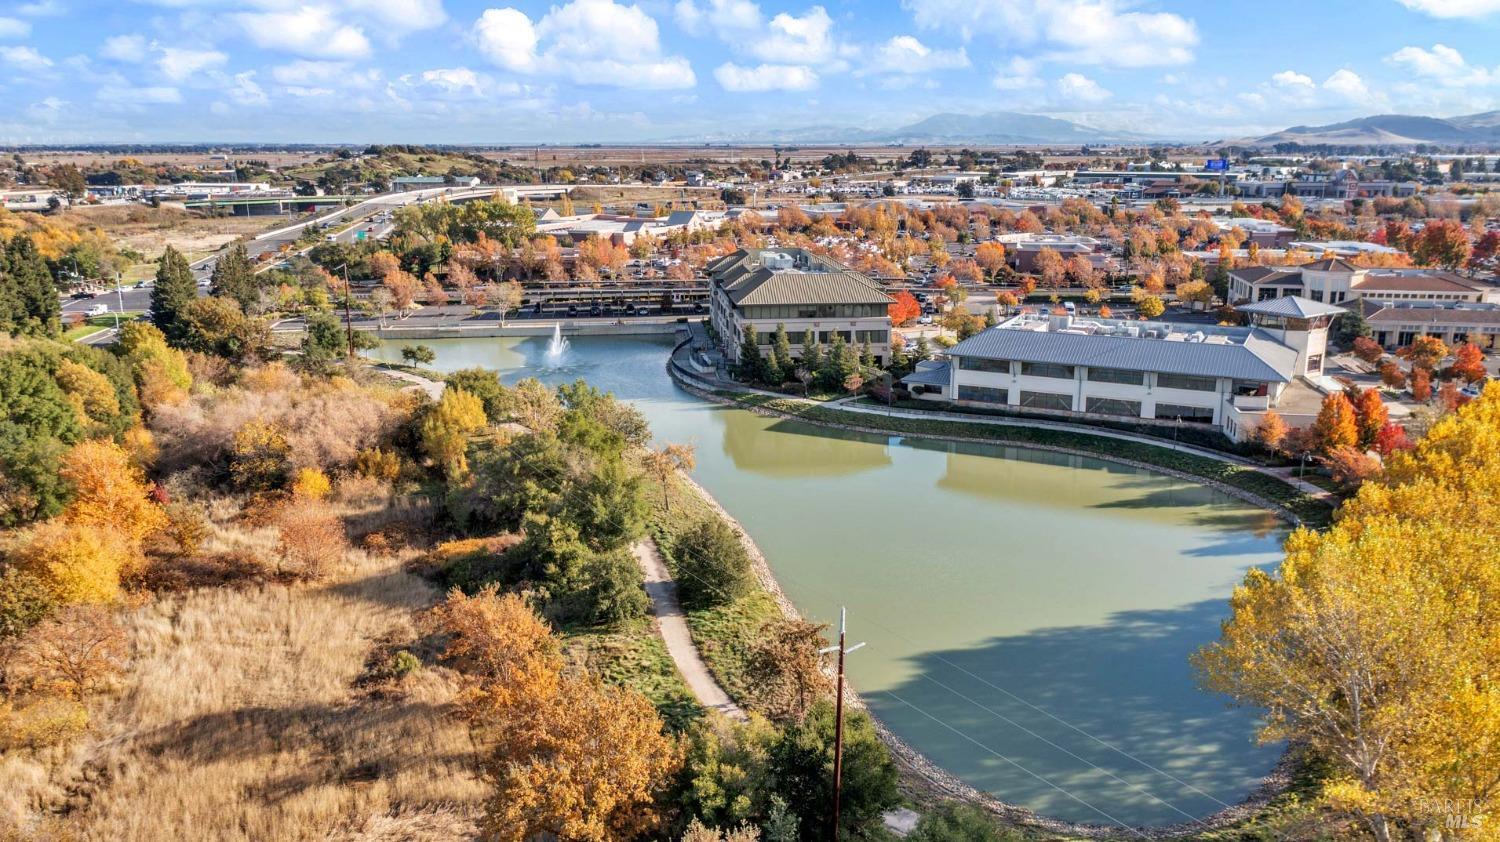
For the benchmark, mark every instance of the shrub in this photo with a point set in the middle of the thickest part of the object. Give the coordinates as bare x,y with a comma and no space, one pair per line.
260,458
75,652
402,664
375,463
311,484
712,565
484,384
43,722
25,601
311,541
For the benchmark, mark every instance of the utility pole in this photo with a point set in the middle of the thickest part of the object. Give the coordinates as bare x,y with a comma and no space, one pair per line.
348,319
119,300
838,720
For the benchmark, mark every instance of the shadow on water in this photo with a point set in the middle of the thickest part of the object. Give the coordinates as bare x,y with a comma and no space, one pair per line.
1126,682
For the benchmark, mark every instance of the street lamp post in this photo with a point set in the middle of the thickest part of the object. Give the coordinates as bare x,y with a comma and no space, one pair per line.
838,719
119,299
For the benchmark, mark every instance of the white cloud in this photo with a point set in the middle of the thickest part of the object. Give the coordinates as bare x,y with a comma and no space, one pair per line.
1080,88
507,38
1444,65
1079,31
307,73
1346,83
1018,75
24,58
41,8
178,64
244,90
793,39
312,31
593,42
126,95
455,80
14,28
1292,80
1454,8
765,77
727,18
906,55
127,48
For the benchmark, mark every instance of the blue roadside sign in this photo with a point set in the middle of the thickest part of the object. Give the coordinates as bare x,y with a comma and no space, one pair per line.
1216,165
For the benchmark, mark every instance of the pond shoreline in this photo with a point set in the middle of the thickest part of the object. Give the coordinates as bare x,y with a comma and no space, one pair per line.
921,772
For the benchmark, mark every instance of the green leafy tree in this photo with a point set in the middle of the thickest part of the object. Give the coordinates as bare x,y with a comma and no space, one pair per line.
955,822
174,290
484,384
326,341
752,366
37,424
712,565
214,325
418,355
803,764
812,352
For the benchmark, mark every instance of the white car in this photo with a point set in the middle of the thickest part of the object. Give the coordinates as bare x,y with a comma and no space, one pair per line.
98,310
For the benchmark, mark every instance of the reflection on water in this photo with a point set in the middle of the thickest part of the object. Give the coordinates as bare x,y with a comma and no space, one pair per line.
998,588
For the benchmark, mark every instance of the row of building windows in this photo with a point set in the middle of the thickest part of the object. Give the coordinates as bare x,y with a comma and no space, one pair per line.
814,311
1095,405
856,337
983,394
1097,375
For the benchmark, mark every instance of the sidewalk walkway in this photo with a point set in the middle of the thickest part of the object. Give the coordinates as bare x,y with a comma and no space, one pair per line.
674,630
433,388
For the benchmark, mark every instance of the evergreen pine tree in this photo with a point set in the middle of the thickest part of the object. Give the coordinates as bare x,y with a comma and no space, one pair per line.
781,352
812,353
866,356
923,351
752,367
170,297
899,361
32,308
234,277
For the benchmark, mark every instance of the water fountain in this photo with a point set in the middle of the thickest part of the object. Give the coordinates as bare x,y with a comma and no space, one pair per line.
556,347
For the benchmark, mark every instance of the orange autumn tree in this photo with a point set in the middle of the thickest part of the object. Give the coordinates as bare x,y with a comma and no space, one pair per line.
990,257
1335,426
1468,363
1370,416
564,754
903,308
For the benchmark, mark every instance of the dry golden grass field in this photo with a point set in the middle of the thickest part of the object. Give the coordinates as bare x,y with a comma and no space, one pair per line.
261,713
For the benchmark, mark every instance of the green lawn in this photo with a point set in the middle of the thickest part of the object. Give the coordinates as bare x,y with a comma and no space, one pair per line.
93,325
635,656
723,634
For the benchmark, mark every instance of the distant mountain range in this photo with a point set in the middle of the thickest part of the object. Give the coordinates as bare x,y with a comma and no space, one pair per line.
1391,129
994,128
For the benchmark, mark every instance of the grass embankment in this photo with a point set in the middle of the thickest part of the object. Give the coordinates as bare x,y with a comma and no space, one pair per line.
724,633
635,656
1311,510
91,326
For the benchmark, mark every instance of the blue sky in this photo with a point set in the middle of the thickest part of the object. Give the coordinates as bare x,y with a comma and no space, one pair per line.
612,70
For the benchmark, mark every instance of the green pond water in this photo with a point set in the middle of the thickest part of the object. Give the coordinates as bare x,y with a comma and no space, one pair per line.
1029,615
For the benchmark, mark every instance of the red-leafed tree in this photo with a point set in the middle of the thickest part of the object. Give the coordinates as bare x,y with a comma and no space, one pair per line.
904,308
1370,416
1391,438
1421,385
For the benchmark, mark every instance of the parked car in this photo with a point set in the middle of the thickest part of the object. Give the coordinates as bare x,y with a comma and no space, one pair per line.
925,320
98,310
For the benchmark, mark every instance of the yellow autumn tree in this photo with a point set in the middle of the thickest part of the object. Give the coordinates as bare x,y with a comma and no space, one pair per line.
109,492
161,371
1374,643
75,563
446,429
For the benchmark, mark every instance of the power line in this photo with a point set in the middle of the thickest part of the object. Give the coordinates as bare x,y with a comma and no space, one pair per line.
557,478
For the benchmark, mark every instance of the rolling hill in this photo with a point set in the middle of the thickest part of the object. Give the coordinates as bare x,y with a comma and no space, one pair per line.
1392,129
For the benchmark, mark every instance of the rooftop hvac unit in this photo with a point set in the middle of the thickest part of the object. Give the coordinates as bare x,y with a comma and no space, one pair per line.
777,260
1196,336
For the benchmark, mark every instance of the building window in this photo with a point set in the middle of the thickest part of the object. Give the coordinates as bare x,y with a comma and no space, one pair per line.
1047,400
1317,295
1187,382
1061,372
1315,364
1114,406
982,364
874,337
1180,412
1117,375
983,394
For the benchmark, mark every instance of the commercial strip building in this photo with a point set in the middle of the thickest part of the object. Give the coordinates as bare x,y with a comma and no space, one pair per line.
1151,372
764,288
1021,249
1395,324
623,229
1336,281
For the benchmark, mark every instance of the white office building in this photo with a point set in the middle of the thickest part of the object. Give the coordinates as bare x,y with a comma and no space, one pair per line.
1155,372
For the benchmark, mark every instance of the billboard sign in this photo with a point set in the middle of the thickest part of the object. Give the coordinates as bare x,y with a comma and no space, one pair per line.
1216,165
